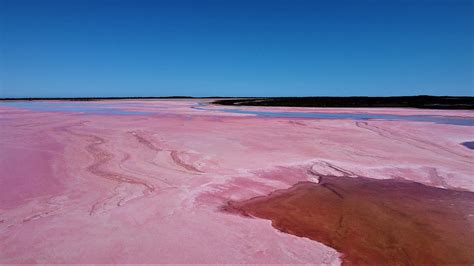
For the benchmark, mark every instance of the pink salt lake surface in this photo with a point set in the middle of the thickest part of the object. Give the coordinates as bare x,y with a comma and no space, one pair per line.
145,181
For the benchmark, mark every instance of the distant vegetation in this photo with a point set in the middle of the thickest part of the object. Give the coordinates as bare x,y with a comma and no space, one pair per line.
422,101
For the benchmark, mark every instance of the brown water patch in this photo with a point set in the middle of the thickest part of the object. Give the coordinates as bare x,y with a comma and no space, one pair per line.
374,221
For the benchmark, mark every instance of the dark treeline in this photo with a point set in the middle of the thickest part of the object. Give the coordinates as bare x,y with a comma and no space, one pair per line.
422,101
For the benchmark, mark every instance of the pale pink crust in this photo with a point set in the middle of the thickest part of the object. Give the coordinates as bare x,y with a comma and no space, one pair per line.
91,188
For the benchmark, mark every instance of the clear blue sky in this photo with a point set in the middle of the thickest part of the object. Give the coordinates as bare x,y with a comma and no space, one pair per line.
74,48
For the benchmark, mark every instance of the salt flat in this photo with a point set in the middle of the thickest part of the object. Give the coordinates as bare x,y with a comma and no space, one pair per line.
148,181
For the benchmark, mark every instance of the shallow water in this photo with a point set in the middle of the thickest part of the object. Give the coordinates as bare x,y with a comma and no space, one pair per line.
459,121
79,107
373,221
468,144
124,108
447,120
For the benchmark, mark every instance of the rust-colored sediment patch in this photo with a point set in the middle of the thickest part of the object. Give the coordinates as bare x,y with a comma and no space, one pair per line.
374,221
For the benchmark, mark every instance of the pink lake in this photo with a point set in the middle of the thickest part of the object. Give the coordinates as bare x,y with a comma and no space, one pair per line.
144,181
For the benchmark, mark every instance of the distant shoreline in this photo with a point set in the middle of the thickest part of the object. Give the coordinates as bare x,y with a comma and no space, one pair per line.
421,101
101,98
